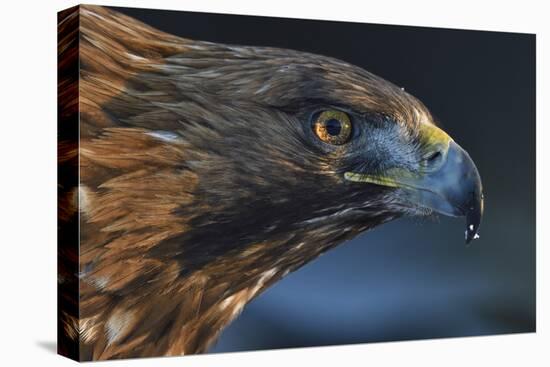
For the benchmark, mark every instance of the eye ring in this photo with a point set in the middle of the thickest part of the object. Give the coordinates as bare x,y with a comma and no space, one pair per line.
333,127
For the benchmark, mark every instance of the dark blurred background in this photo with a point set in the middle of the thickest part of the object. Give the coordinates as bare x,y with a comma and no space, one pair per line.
409,279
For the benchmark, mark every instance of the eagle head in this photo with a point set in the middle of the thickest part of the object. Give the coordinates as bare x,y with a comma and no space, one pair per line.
296,143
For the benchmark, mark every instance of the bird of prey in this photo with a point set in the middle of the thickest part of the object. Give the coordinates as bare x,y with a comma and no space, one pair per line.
194,175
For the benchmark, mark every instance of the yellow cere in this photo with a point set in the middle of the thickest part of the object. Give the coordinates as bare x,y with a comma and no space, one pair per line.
431,137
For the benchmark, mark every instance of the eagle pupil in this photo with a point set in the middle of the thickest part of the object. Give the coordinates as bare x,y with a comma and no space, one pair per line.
333,127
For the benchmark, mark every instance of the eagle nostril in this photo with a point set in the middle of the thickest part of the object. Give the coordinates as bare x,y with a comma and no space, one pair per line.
434,157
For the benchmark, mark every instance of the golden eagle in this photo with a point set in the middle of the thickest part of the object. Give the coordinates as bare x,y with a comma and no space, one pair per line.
193,175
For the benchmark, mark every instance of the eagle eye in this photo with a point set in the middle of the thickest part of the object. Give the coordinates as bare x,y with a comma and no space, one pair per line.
333,127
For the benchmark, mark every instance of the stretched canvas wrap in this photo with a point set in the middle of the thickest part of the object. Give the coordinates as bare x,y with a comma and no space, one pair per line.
206,161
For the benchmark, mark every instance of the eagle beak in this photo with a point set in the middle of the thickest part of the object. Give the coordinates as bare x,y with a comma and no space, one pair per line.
448,182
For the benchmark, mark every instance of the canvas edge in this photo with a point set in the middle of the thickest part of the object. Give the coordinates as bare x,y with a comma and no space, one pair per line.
67,188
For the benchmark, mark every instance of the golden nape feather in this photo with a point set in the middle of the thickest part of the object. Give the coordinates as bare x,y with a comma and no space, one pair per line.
190,177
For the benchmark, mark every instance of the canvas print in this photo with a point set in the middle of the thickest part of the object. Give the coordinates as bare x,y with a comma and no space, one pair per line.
206,161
